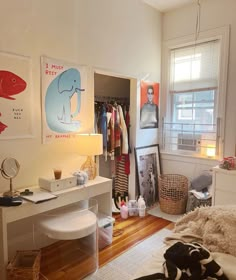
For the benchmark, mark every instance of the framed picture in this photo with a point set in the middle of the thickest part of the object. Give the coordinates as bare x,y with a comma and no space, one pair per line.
65,102
148,168
15,97
149,102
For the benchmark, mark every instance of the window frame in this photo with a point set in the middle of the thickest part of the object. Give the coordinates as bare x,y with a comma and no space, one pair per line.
221,34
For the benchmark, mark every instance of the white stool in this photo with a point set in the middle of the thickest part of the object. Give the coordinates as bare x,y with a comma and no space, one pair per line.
70,223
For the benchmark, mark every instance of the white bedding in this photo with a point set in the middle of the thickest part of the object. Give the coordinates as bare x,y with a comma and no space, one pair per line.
221,236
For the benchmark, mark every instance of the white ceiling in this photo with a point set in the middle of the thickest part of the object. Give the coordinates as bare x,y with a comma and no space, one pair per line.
167,5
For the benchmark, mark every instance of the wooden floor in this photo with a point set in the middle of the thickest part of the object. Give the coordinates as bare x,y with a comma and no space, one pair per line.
73,260
132,231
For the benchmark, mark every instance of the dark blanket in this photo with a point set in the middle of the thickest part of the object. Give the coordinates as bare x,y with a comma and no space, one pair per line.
188,261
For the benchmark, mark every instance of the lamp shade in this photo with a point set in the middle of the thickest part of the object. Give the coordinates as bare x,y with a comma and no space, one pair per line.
89,144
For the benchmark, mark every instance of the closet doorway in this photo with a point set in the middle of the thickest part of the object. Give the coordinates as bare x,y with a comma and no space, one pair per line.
111,90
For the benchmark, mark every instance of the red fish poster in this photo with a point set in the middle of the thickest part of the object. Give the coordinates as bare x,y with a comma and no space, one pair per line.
15,96
65,100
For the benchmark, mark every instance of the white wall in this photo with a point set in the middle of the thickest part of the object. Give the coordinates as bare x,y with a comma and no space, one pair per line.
118,35
181,22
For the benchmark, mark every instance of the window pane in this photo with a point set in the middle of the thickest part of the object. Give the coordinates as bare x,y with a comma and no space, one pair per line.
194,107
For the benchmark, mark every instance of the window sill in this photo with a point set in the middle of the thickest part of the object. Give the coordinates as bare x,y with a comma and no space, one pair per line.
167,155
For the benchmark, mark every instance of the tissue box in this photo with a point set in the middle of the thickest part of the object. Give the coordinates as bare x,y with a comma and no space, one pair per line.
53,185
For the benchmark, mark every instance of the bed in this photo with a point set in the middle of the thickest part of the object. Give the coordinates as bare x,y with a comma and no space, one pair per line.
206,238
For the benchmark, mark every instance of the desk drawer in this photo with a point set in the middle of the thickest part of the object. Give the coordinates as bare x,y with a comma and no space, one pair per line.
57,185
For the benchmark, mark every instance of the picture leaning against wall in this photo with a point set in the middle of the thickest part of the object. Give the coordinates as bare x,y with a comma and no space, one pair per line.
64,99
15,96
148,168
149,102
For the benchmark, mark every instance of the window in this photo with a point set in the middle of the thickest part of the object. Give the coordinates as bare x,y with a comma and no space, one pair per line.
194,86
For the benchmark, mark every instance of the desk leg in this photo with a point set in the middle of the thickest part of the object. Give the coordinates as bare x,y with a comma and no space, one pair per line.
3,247
105,203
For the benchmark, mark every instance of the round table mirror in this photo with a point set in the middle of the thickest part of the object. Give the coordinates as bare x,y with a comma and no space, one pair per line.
9,169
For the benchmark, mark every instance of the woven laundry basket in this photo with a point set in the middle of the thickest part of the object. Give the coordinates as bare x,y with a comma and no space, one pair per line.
173,193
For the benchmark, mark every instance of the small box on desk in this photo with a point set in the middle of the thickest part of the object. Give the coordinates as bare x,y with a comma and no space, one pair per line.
53,185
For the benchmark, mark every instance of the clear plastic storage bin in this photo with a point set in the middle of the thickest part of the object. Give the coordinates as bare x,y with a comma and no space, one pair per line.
105,230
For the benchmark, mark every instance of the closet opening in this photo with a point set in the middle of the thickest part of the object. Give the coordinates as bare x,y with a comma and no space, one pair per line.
112,95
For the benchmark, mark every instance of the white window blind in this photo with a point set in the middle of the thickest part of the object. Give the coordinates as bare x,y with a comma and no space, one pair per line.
195,68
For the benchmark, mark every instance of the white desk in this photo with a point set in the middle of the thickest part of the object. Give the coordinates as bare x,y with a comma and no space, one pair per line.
100,188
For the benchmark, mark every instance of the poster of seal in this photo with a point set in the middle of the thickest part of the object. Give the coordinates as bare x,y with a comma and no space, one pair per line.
15,96
64,99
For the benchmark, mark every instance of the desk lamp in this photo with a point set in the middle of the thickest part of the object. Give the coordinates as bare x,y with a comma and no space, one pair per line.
90,145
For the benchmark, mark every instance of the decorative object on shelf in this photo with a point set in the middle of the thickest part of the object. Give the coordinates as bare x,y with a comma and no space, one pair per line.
9,169
90,145
228,163
26,192
148,168
82,177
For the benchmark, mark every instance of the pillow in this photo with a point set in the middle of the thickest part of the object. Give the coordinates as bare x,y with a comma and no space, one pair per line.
201,182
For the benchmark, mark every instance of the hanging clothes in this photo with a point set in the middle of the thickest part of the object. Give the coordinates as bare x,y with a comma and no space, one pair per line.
123,128
117,132
121,179
111,131
103,127
112,124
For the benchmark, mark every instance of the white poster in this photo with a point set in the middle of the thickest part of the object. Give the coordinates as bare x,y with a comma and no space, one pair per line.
15,96
64,101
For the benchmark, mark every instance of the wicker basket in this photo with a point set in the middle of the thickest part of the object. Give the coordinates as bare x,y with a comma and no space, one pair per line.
173,193
24,266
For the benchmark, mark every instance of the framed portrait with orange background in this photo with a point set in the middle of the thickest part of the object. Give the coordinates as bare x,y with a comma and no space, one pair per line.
149,105
143,94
